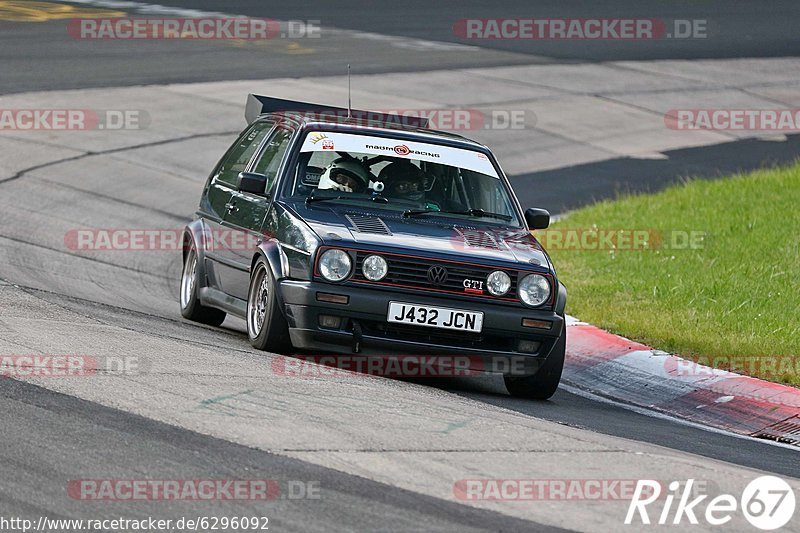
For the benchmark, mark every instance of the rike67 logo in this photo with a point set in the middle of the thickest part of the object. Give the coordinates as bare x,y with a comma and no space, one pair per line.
767,503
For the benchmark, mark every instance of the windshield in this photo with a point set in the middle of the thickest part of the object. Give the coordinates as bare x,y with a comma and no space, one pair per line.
417,179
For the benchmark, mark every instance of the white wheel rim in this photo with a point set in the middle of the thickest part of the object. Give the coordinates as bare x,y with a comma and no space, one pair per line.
188,279
257,303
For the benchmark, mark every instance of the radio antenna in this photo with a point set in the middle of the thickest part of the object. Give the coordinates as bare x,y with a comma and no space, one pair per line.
349,102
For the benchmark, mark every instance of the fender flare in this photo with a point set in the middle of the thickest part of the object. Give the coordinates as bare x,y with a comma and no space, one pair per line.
561,299
193,230
271,252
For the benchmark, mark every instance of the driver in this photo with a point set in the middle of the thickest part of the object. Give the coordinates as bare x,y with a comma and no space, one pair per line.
344,175
403,180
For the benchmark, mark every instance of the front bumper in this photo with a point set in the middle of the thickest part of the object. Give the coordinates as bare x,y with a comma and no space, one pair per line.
365,330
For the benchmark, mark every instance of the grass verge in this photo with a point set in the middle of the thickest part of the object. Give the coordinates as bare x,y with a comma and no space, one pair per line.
709,270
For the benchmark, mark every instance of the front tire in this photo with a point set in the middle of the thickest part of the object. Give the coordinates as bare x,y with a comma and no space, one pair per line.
543,384
267,328
190,305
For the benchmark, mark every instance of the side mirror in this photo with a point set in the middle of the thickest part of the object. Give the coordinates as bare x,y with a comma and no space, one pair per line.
537,218
252,183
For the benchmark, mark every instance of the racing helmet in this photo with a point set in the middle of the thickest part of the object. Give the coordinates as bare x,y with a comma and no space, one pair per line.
403,179
344,174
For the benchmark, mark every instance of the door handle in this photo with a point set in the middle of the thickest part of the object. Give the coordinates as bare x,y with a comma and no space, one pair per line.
230,207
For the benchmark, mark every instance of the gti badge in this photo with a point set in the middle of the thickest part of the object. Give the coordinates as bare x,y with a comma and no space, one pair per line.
473,286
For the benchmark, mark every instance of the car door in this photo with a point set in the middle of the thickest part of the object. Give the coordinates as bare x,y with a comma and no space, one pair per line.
223,271
247,211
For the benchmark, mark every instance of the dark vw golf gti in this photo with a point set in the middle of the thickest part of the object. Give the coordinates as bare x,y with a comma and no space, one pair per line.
361,233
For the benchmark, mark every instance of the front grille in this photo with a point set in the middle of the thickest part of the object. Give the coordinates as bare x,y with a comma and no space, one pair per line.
413,272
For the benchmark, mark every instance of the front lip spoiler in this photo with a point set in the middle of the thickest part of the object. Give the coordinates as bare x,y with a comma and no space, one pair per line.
313,342
372,345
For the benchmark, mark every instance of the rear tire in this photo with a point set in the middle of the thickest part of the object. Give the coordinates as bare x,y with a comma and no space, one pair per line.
190,305
267,328
544,383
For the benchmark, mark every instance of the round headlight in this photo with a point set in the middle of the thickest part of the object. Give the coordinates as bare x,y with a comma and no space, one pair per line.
335,265
498,283
374,268
534,290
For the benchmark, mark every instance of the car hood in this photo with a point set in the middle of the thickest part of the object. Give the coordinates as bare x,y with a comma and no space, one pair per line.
355,226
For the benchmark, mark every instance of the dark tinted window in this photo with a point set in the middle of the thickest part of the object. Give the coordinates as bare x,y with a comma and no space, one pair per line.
235,161
272,155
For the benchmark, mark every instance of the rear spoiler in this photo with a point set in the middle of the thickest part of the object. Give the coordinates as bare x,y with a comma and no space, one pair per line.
258,105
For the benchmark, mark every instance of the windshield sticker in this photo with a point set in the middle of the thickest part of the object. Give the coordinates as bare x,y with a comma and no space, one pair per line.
434,153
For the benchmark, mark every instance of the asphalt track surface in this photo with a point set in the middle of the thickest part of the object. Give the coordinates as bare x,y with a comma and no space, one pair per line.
735,29
49,438
33,482
607,179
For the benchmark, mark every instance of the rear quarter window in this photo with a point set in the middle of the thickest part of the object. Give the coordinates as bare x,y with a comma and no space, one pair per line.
239,155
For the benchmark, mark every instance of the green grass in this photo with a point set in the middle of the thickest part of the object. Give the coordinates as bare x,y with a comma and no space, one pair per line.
734,301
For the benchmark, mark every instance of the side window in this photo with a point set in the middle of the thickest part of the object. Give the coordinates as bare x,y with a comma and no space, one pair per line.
272,155
239,155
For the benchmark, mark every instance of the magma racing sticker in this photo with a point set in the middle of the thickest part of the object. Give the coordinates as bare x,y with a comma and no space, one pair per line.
433,153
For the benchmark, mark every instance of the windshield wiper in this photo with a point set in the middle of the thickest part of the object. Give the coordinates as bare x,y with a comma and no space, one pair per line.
477,213
312,198
375,198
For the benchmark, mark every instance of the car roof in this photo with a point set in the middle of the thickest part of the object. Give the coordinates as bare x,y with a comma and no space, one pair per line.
384,127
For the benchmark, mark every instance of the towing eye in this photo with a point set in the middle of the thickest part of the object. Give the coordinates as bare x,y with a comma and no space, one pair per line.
357,336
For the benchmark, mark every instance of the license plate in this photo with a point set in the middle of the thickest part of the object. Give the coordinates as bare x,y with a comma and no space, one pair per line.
435,317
